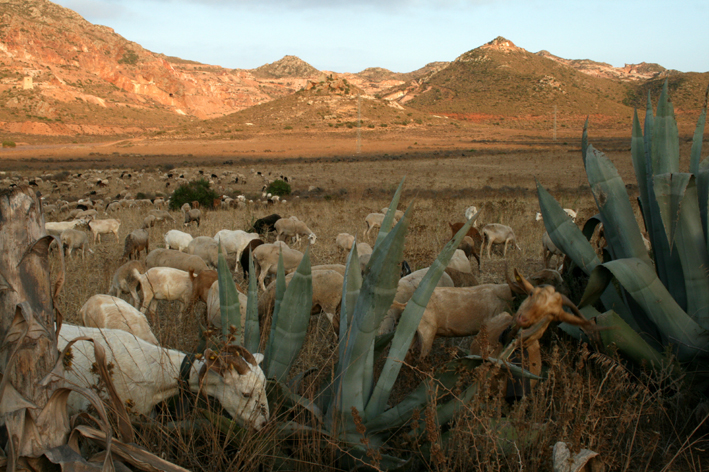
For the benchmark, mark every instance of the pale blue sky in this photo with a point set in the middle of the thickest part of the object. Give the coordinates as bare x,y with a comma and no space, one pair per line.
404,35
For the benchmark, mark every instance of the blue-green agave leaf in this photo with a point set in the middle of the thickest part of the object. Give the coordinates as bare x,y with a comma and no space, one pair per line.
252,332
280,291
675,327
389,217
628,341
292,323
665,137
620,228
669,193
696,153
689,234
408,323
228,296
376,295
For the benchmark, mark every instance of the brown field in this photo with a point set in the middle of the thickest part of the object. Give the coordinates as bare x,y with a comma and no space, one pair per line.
588,400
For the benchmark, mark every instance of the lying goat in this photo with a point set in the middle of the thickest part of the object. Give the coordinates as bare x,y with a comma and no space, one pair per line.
144,374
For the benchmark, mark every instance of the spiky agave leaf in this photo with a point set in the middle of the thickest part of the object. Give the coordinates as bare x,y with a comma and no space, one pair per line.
289,328
252,333
389,217
228,296
408,323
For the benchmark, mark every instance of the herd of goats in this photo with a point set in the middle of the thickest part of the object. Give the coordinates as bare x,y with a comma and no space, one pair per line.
146,373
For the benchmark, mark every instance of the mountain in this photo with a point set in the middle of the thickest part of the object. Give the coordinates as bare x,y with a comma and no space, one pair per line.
288,67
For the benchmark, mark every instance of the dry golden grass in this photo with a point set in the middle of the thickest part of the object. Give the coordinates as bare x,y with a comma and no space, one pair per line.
635,421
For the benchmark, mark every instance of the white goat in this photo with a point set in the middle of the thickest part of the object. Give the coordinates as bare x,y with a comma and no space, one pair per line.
206,248
214,310
235,241
496,233
569,211
176,239
99,227
145,375
55,228
164,283
293,229
344,241
549,250
105,311
74,239
375,220
469,212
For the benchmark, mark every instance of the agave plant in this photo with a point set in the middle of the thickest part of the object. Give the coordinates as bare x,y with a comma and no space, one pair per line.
355,396
660,302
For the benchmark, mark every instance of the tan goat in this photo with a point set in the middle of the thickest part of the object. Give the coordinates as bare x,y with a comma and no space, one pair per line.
105,311
164,283
99,227
124,280
495,233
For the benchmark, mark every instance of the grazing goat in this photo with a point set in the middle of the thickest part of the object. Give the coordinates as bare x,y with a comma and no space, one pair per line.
214,311
177,260
549,250
244,260
569,211
374,220
105,311
55,228
266,256
161,216
344,241
145,375
164,283
138,240
470,212
327,296
265,225
176,239
206,248
99,227
495,233
193,215
124,280
201,284
472,245
465,311
234,242
74,239
293,229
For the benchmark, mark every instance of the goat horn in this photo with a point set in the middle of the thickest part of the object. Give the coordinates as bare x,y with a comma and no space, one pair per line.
241,351
239,364
524,283
574,309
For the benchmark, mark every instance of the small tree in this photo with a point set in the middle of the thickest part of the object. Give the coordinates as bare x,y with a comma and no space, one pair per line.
279,187
197,190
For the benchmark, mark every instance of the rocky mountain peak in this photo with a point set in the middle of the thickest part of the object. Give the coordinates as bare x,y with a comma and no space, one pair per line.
289,66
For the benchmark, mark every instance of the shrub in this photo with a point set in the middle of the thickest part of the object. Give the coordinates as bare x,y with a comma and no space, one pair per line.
8,144
196,190
279,187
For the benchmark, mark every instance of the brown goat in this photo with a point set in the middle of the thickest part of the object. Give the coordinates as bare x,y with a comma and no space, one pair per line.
474,234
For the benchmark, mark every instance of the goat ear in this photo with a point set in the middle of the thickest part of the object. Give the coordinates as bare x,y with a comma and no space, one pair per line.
514,286
524,283
258,357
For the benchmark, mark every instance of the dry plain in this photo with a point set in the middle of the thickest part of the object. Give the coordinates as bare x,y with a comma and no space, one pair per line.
334,188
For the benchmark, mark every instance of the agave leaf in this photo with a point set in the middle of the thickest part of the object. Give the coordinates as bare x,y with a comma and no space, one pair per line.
409,321
443,382
590,226
351,286
389,217
252,332
677,195
290,327
637,151
696,153
278,299
564,233
665,137
674,325
620,228
376,295
584,142
283,400
703,197
627,340
228,296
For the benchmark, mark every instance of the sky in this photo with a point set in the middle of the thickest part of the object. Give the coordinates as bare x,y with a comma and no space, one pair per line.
405,35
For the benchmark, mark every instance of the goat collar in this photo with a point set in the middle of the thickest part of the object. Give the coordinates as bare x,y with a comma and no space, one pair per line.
185,369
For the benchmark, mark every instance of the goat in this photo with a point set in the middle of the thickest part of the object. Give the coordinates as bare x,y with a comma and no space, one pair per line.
265,225
177,260
234,242
176,239
193,215
124,280
549,250
244,260
495,233
266,256
74,239
287,227
214,312
55,228
476,240
572,214
99,227
164,283
344,241
146,375
206,248
372,221
138,240
105,311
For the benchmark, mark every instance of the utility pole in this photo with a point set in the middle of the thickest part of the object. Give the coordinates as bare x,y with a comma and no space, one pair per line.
359,124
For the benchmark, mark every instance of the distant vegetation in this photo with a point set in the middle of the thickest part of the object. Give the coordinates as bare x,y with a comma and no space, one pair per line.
279,187
197,190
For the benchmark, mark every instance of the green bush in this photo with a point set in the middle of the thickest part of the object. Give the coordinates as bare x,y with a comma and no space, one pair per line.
197,190
279,187
8,144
